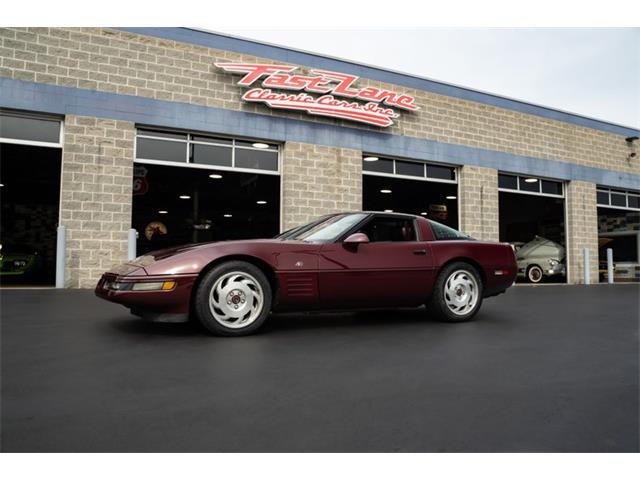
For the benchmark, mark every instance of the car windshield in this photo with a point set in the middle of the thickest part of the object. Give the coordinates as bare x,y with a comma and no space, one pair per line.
325,229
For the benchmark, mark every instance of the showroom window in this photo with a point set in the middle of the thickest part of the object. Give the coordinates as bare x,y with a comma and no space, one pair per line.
531,213
195,187
619,230
206,151
406,186
30,160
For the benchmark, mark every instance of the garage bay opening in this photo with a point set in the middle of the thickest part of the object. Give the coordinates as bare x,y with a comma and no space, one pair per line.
30,159
531,212
192,188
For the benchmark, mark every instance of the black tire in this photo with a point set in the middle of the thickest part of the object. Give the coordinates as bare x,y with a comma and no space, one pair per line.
201,301
437,305
538,274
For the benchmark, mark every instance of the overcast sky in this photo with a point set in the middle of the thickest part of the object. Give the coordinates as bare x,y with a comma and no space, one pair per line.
593,72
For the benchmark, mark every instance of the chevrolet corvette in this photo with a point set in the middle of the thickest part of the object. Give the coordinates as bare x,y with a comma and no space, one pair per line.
343,261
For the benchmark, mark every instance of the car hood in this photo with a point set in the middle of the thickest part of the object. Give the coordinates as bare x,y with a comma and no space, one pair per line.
188,259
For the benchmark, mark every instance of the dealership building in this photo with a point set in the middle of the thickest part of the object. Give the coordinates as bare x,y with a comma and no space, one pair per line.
191,136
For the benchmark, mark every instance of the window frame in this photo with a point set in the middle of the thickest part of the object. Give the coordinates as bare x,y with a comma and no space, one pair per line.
188,141
539,193
425,169
626,193
34,116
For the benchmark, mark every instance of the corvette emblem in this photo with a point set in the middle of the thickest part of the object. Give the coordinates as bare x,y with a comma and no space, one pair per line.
299,264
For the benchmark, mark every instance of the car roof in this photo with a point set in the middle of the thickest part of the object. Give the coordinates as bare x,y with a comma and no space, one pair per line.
386,214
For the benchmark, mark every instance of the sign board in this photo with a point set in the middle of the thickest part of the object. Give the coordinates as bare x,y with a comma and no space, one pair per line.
323,93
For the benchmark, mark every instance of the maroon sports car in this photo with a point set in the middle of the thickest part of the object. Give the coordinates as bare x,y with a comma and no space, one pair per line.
341,261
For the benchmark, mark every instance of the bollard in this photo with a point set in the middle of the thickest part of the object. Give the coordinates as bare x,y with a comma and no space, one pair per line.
61,253
133,237
587,276
609,265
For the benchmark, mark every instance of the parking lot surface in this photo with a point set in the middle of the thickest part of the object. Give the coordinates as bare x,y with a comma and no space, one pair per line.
541,369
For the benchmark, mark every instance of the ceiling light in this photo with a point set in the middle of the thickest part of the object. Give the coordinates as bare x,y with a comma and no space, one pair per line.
162,211
388,211
1,184
530,180
370,159
451,197
259,145
227,215
385,190
185,197
423,213
261,202
215,175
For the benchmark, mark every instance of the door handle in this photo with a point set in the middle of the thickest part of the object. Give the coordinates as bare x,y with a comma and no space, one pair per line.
420,251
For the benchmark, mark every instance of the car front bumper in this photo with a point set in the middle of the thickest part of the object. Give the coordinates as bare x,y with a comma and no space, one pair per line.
159,305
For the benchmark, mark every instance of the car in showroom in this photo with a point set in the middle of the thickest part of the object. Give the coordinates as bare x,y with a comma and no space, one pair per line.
343,261
539,259
18,262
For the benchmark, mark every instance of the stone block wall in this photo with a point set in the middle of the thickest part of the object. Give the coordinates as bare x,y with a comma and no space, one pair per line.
317,180
95,196
582,230
478,201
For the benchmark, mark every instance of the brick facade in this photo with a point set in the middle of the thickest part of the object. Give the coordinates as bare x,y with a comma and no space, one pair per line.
582,230
478,187
95,196
318,180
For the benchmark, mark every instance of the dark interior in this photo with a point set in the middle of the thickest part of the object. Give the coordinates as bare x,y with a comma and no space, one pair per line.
204,216
411,196
30,198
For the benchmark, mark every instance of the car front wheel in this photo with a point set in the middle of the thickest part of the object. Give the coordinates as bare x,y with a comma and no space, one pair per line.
534,274
457,293
233,299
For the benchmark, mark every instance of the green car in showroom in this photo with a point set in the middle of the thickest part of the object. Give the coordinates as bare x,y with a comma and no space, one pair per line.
18,262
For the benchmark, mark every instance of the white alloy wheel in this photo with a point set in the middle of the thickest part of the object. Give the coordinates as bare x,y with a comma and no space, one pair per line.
236,300
461,292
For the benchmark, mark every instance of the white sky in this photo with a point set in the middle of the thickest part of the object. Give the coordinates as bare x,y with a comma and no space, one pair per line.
593,72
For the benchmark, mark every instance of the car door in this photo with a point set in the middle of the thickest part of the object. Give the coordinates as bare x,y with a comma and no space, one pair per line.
394,269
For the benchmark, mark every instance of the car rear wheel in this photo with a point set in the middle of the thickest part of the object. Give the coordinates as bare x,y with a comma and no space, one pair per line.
457,293
234,298
534,274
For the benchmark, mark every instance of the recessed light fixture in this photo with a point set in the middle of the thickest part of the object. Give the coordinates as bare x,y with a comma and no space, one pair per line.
227,215
385,190
423,213
162,212
530,180
1,185
185,197
388,211
261,202
451,197
259,145
370,159
215,175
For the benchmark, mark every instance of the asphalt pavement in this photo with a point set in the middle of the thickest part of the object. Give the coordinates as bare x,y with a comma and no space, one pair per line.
547,368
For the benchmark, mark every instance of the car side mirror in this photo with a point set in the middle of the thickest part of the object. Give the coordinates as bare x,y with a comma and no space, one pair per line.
356,239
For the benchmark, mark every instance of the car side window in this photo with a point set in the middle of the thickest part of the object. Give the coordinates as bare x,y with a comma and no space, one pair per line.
442,232
387,229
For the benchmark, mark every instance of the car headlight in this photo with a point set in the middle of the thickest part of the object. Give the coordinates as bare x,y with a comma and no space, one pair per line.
553,263
142,286
19,263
